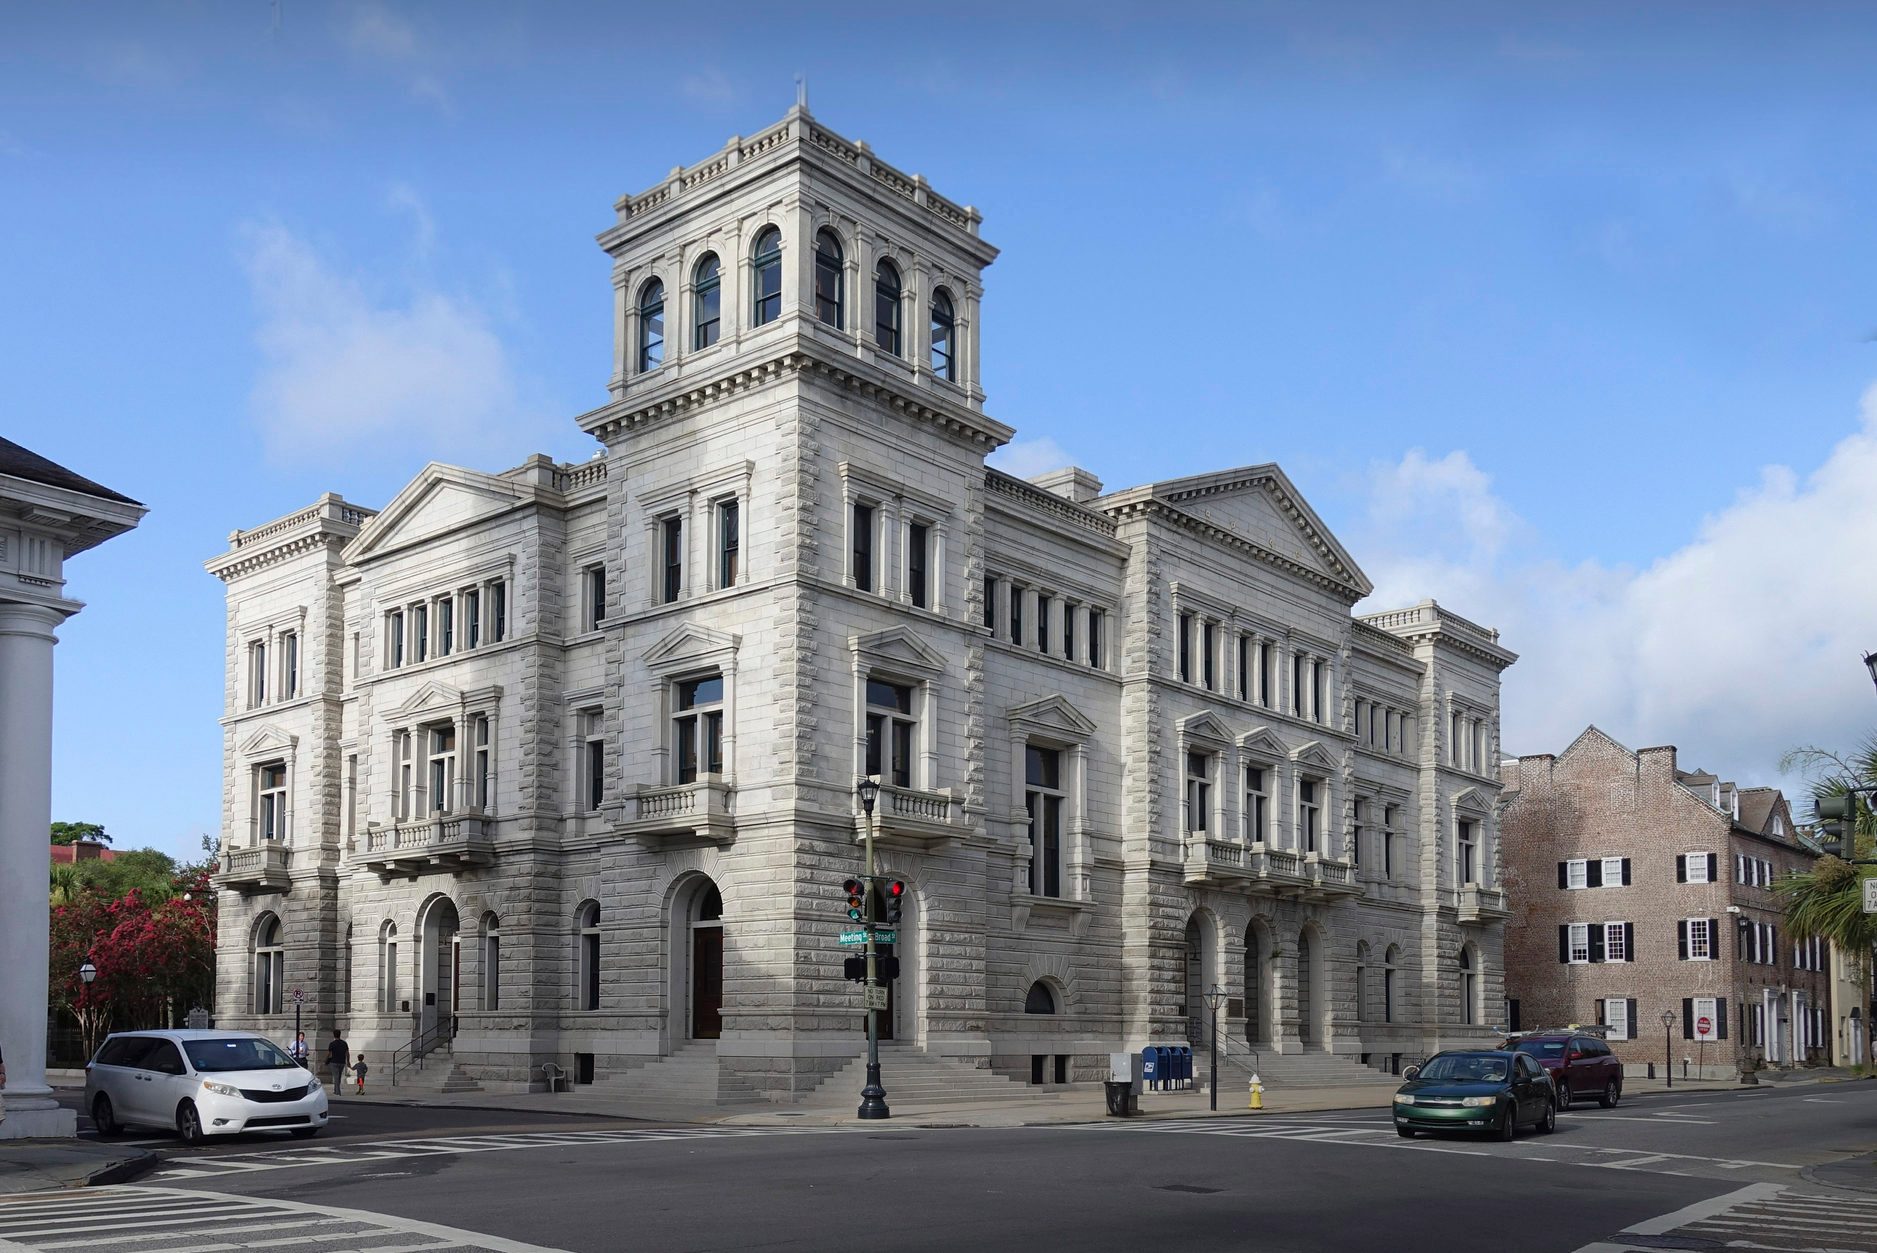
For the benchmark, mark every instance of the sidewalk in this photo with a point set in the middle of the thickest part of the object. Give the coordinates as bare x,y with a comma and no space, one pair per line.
46,1165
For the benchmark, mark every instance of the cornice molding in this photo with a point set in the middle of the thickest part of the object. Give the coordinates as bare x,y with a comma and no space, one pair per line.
1148,507
1002,484
298,546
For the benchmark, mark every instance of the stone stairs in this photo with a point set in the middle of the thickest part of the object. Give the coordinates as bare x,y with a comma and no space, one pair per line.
912,1077
1310,1069
675,1085
439,1075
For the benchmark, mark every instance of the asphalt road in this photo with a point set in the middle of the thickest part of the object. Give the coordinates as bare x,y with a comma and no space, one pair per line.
1698,1171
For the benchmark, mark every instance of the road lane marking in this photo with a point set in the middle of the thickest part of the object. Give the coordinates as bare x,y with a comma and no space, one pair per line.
1666,1223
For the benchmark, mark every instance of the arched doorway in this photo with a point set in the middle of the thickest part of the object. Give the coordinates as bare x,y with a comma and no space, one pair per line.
697,917
1312,1004
1194,982
1469,987
1258,974
440,967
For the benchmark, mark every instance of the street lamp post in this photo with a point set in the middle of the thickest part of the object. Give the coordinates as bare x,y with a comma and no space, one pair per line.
873,1096
1668,1049
1870,664
87,972
1214,1000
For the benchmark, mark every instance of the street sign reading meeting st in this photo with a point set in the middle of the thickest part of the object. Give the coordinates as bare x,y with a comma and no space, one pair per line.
1870,896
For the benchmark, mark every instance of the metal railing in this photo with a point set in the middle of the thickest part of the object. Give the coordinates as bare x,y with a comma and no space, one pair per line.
412,1055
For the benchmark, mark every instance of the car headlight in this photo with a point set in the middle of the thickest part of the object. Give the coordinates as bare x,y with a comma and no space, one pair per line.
222,1089
1477,1101
312,1084
1404,1098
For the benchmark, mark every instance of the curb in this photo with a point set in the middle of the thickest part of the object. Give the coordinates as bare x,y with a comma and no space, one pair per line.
122,1172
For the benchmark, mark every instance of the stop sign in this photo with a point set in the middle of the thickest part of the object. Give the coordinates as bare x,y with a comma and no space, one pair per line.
1704,1026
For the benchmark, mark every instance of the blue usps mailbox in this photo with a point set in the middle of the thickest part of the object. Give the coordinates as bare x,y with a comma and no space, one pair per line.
1150,1066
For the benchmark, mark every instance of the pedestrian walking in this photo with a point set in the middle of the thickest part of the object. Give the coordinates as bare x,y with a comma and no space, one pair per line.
298,1051
359,1068
338,1055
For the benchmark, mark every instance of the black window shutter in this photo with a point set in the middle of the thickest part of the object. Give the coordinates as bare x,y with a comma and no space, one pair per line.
1626,872
1681,868
1564,872
1720,1017
1596,941
1632,1019
1513,1010
1564,942
1772,947
1629,941
1713,865
1600,1021
1593,872
1687,1018
1714,939
1681,937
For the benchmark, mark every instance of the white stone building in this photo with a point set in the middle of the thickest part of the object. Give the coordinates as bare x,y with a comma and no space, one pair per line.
561,760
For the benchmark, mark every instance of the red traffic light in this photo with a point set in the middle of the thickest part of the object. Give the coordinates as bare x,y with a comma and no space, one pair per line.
895,889
854,887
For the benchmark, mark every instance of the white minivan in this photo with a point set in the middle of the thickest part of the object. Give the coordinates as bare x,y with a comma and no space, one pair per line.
202,1083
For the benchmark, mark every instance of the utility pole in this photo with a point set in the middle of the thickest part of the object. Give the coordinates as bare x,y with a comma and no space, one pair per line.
873,1096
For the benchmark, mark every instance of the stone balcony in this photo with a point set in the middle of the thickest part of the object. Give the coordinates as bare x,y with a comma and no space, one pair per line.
1265,871
257,868
680,814
914,819
443,842
1329,878
1480,906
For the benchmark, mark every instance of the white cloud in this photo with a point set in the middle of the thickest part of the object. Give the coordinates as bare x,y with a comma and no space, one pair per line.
405,199
347,370
1740,644
710,87
376,33
1027,458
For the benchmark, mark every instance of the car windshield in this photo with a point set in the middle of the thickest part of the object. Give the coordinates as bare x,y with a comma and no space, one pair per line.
1542,1048
236,1053
1466,1068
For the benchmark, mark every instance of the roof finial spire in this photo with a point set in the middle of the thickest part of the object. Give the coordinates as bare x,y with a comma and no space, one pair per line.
801,92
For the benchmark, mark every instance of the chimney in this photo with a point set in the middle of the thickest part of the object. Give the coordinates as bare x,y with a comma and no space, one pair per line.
1071,482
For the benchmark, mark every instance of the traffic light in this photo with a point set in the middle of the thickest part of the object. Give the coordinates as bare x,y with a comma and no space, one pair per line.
854,968
895,892
889,968
1835,816
856,899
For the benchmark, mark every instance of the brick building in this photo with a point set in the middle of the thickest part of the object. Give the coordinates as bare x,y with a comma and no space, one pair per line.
1639,888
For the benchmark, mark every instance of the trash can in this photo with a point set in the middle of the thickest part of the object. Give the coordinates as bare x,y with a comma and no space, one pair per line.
1125,1075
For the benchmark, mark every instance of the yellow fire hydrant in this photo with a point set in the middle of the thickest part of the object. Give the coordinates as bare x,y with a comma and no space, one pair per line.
1257,1093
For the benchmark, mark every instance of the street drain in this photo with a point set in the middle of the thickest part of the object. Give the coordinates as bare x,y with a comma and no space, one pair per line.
1187,1187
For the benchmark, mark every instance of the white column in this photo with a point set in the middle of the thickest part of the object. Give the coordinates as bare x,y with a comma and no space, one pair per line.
26,640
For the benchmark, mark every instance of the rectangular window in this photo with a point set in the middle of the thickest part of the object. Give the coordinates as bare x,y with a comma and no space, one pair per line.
1388,841
1267,667
420,632
593,760
289,665
1209,660
1700,939
1578,946
990,603
442,769
1361,808
1613,872
1257,811
405,801
1198,792
1186,648
1296,685
485,768
1697,867
1044,605
1319,688
351,795
729,542
1096,620
271,793
862,524
1309,813
1016,614
1576,874
257,675
918,562
1043,797
890,732
595,579
1069,613
1244,668
1464,846
472,617
1616,941
671,583
1616,1017
498,611
446,626
697,725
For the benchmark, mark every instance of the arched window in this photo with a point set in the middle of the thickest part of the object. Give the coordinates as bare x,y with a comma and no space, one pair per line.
887,313
1469,988
1039,999
491,961
944,334
710,908
270,963
587,940
1306,1009
830,306
1362,982
1389,959
388,967
651,325
766,270
706,302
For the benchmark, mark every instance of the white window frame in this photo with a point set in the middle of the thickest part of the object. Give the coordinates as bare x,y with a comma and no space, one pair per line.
272,799
257,674
1039,799
727,554
694,723
1612,872
591,770
1255,817
888,718
1613,935
1573,947
289,665
439,769
1197,789
1707,1007
1707,941
1576,874
1312,834
482,736
593,596
1692,860
1615,1008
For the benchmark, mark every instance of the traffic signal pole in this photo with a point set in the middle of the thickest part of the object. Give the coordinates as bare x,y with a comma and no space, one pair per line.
873,1096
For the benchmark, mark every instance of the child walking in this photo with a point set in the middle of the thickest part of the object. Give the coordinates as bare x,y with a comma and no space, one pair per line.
359,1068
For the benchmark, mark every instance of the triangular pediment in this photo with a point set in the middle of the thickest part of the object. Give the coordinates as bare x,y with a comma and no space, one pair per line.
1473,801
1260,742
268,739
1260,505
441,500
431,697
1315,754
690,642
1054,713
898,647
1205,725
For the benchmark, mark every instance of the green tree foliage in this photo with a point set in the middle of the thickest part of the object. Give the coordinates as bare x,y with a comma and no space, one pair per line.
1828,900
138,869
72,832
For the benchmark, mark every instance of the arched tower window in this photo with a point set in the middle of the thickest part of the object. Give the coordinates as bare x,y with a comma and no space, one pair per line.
587,939
766,271
388,967
270,961
707,302
491,961
944,336
830,304
887,314
1039,999
1469,988
651,325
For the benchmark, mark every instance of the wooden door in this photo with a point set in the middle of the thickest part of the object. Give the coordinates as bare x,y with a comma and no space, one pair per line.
706,983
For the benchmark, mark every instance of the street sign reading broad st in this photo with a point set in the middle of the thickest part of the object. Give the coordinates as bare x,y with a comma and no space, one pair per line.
1870,896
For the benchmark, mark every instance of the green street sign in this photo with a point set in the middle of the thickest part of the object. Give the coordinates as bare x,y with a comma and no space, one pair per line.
852,938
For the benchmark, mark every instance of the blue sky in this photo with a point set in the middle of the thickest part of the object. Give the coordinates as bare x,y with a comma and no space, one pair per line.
1559,313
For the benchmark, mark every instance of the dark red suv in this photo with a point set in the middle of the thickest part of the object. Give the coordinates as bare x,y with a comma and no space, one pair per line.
1580,1065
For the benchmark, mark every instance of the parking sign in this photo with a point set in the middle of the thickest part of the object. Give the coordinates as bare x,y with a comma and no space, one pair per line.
1870,896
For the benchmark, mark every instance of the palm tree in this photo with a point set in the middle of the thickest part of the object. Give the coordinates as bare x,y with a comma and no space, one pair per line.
1828,900
67,883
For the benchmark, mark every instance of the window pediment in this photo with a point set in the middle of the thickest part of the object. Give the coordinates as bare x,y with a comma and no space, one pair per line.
1474,802
690,644
433,696
1314,754
1206,726
1053,716
267,741
900,649
1259,742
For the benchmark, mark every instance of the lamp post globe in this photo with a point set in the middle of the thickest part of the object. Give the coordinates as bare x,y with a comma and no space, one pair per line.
87,972
867,788
1870,664
1215,998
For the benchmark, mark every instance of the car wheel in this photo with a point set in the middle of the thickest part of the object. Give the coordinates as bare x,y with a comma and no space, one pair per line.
1406,1133
303,1133
1548,1123
1564,1096
1509,1123
104,1118
190,1124
1611,1095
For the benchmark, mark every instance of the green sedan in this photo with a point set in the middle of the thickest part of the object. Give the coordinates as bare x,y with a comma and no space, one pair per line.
1485,1091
